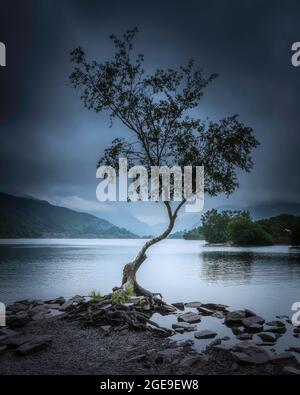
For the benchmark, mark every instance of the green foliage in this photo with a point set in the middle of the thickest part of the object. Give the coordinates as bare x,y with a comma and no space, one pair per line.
157,108
214,224
194,234
121,296
245,232
282,228
95,296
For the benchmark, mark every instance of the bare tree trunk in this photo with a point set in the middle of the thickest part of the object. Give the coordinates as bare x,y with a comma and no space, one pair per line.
131,268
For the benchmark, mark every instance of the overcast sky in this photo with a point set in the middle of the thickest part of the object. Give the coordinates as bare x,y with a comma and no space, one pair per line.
50,144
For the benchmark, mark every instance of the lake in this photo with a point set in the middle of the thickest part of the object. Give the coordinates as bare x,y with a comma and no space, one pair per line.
264,279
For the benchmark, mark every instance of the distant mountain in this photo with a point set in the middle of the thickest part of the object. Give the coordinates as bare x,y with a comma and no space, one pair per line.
23,217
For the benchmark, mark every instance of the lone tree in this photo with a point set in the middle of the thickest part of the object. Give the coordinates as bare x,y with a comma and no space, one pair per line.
157,109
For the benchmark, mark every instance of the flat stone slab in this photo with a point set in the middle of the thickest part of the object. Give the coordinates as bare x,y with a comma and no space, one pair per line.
184,325
285,359
268,337
205,311
234,317
205,334
276,329
16,341
189,317
254,323
215,306
276,323
37,344
60,300
194,305
178,305
222,347
291,371
248,352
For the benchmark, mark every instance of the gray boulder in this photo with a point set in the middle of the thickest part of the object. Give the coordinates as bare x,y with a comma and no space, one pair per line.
189,317
291,371
205,334
268,337
235,317
18,320
193,304
185,326
285,359
37,344
60,301
246,352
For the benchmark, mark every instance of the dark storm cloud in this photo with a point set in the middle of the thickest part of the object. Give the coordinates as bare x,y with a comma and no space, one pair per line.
50,143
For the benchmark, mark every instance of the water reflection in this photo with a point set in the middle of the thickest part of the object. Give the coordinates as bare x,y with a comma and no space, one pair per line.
220,266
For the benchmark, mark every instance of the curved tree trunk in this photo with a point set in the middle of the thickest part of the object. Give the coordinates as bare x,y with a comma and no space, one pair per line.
131,268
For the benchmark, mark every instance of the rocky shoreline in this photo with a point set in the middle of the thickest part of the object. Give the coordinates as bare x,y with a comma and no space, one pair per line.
84,336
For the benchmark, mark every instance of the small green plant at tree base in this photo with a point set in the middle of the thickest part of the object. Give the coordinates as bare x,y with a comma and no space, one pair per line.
96,296
122,296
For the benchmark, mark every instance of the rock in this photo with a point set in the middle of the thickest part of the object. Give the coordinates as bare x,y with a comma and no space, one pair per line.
215,306
297,331
52,306
205,334
225,338
38,317
189,317
60,301
193,304
5,332
69,303
254,323
285,358
179,330
249,313
234,317
3,349
219,314
236,331
294,349
192,360
223,347
276,323
185,326
16,341
17,307
265,344
245,352
291,371
186,343
205,311
276,329
216,342
282,317
37,344
18,320
268,337
178,305
39,309
167,355
245,336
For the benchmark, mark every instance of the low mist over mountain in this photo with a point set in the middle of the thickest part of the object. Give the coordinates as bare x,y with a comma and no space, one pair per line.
23,217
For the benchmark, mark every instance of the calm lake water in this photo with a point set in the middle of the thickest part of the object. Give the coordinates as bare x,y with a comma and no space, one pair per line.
264,279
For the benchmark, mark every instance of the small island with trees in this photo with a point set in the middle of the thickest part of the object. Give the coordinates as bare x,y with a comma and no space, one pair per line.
237,228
